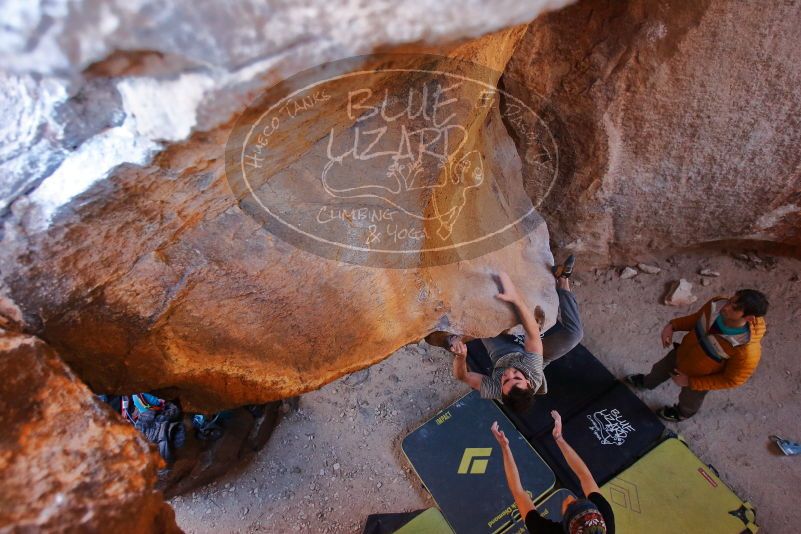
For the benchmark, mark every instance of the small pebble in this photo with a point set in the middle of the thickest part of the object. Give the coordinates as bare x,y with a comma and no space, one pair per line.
649,269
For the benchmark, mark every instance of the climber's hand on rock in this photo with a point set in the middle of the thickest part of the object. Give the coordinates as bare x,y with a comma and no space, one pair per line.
459,348
508,290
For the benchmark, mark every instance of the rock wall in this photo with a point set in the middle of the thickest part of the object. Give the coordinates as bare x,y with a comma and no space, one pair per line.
87,85
156,279
69,463
677,122
127,247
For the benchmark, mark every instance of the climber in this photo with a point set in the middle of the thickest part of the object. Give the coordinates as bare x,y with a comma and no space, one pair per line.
517,371
517,374
721,351
592,514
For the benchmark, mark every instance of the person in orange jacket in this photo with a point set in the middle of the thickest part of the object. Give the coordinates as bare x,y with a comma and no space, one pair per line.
721,351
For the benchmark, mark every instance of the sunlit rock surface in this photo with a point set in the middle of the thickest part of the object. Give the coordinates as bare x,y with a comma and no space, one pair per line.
69,463
145,272
155,279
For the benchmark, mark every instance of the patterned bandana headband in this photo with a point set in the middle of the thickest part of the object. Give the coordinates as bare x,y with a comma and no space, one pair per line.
583,517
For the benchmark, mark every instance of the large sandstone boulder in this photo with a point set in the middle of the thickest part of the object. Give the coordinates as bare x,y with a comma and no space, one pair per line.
87,85
69,464
169,277
677,124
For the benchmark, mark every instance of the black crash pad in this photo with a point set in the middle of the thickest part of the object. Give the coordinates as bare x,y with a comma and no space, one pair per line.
460,462
609,434
574,380
478,359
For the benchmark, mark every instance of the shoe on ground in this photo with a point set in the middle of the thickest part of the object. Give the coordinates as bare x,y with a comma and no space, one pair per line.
636,381
671,413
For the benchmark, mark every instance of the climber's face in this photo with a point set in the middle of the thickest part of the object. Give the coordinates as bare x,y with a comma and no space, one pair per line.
511,378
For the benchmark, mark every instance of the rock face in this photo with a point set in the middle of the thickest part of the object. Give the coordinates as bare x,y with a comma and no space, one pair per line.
240,32
69,463
677,123
88,85
158,278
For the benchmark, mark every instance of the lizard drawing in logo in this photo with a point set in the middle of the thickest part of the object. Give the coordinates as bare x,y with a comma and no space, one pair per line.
427,186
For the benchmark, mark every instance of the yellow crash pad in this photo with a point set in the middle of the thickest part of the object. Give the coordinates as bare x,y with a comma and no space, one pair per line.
670,490
429,522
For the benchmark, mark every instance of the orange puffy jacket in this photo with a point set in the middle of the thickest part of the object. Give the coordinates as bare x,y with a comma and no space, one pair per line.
716,361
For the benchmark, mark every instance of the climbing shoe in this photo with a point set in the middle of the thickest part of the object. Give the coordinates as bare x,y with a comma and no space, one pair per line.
636,381
567,266
671,413
566,269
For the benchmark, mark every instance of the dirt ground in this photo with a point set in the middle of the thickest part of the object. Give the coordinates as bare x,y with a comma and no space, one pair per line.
336,458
